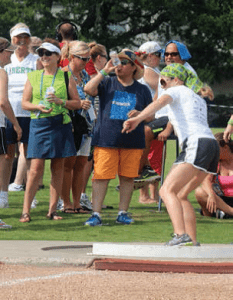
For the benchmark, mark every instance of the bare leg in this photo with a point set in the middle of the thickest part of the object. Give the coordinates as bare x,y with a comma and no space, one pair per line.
181,180
149,136
57,168
87,173
202,197
67,180
144,196
126,191
99,190
37,168
20,177
154,191
7,166
78,179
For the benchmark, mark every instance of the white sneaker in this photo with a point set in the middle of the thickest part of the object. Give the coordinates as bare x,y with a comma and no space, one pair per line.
34,203
3,225
85,202
60,204
13,187
4,200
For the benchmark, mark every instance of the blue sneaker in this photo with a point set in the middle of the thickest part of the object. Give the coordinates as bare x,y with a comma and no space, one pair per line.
94,220
123,218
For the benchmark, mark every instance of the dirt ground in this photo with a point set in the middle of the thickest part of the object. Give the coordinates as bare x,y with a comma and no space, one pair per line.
30,282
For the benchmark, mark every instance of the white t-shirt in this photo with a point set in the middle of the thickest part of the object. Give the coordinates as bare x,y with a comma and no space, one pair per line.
17,77
142,80
164,111
187,113
2,117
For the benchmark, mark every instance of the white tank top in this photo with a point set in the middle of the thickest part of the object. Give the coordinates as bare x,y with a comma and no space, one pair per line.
2,116
17,77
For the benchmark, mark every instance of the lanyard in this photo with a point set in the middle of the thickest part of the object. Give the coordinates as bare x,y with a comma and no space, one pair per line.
41,82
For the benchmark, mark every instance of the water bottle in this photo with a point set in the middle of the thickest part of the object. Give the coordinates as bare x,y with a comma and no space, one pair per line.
49,90
115,59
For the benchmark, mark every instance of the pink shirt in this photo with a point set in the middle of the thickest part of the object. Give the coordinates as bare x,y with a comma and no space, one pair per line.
226,183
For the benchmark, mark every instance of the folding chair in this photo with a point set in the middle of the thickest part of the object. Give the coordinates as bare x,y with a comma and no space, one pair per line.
173,138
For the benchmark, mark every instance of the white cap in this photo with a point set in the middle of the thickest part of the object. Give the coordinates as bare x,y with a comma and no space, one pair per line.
20,30
150,47
50,47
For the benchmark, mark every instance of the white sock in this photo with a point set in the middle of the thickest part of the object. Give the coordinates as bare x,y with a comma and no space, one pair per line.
97,214
121,212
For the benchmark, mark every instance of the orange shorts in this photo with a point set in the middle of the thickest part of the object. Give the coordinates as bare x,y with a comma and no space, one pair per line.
108,162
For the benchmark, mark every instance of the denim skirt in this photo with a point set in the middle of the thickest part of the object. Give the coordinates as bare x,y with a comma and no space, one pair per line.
50,138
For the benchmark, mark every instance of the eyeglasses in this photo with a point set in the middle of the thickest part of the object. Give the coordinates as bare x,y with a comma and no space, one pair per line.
42,52
86,59
158,54
125,62
173,54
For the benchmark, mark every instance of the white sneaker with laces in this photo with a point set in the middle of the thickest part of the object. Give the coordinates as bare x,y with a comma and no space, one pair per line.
13,187
3,225
85,202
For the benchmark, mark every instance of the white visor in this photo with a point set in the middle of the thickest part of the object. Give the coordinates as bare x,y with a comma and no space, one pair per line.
50,47
21,30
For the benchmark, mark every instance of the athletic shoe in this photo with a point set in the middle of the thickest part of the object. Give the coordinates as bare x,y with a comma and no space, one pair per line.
117,188
94,220
179,240
85,202
123,218
220,214
13,187
34,203
147,175
60,204
3,225
4,203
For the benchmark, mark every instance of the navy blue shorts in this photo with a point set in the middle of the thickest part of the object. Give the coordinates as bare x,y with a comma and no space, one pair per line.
202,153
11,135
50,138
3,145
158,125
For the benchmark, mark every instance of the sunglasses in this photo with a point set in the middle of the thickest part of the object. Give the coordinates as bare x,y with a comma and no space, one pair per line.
164,82
173,54
86,59
42,52
158,54
125,62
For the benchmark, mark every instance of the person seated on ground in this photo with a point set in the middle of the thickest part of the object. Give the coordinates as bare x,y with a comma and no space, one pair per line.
215,196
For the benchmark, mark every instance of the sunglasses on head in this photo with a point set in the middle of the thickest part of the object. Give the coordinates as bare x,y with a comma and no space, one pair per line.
171,53
125,62
86,59
42,52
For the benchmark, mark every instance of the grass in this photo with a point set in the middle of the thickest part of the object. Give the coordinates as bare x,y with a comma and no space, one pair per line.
150,225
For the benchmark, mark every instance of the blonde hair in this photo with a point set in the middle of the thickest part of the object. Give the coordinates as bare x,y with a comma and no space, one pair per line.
74,48
96,49
206,92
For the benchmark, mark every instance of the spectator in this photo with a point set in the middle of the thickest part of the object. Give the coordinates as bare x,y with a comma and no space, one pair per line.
200,150
78,54
99,57
215,196
6,50
22,62
35,44
120,97
150,54
50,129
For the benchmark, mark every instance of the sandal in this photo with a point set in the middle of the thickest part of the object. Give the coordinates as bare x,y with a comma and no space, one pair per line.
68,211
25,218
53,216
80,210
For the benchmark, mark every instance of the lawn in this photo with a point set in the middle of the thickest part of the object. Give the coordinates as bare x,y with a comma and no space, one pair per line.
150,225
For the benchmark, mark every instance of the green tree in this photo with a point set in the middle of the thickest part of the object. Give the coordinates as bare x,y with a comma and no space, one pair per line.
205,26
